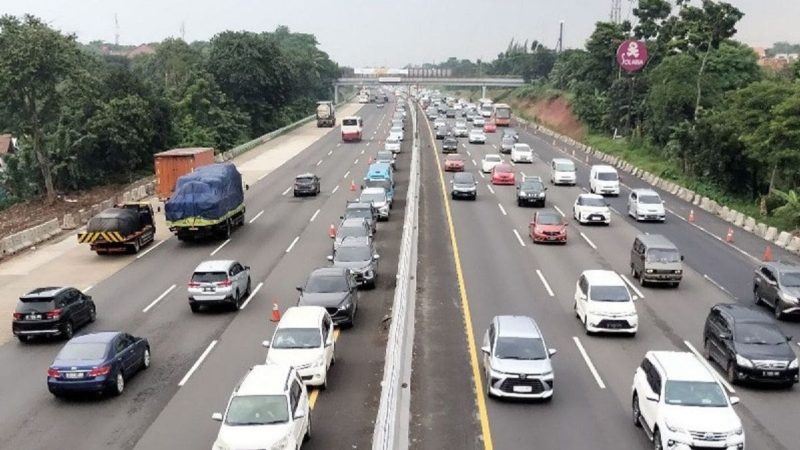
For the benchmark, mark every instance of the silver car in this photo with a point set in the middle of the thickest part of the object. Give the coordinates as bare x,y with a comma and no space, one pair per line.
516,360
358,255
377,197
219,282
355,227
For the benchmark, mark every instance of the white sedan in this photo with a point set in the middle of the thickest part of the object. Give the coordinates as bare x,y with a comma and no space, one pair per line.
479,121
396,133
521,153
489,161
591,208
477,136
392,144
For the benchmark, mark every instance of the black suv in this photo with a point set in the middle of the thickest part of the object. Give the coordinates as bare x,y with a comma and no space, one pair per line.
450,145
777,284
531,191
335,289
52,311
748,346
356,209
306,184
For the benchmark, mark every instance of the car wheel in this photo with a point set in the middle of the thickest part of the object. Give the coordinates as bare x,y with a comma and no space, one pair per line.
779,315
707,349
756,297
636,414
307,436
119,384
22,338
68,330
227,232
730,373
641,280
237,301
324,386
247,291
146,359
194,307
92,314
657,445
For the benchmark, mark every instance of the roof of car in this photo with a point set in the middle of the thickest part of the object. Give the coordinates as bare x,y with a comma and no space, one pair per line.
101,337
548,212
214,265
353,222
594,196
328,272
603,277
373,190
603,168
646,191
44,292
265,379
358,205
464,176
562,161
302,317
517,326
681,366
743,313
305,175
655,240
355,241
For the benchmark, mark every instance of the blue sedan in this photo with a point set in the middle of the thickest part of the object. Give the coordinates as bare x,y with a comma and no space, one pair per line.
97,363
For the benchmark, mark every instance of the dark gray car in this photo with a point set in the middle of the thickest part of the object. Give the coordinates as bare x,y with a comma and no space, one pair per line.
358,255
355,227
364,210
333,288
777,284
464,186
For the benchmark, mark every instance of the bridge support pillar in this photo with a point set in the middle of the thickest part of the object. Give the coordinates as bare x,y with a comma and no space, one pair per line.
483,91
335,94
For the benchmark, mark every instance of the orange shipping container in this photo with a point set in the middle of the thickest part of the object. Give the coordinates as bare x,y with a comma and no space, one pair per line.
171,164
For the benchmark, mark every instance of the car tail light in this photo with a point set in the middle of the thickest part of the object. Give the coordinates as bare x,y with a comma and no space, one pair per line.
18,316
226,283
194,284
100,371
52,372
54,314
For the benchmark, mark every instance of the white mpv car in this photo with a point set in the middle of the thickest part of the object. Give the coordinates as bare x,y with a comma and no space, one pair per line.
604,304
521,153
476,135
489,161
646,204
591,208
681,406
268,409
304,340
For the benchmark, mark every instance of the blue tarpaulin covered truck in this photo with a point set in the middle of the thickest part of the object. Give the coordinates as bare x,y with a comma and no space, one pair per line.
208,202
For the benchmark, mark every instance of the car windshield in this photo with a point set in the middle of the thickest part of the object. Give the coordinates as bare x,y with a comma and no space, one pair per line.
532,186
508,139
592,201
548,219
392,140
349,122
384,156
209,277
455,157
326,284
304,180
365,213
565,167
492,158
257,410
758,333
522,148
451,141
351,231
790,279
377,197
649,199
463,178
694,393
610,294
386,184
38,305
296,338
397,130
503,168
663,255
607,176
520,348
353,254
83,351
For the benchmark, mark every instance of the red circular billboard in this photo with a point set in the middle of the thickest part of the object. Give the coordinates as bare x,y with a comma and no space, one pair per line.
632,55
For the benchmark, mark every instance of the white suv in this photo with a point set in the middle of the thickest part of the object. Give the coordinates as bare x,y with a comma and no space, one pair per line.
521,153
268,409
604,304
220,282
681,405
646,204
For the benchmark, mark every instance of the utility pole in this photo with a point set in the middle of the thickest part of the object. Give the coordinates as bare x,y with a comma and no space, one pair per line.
560,44
116,30
616,11
183,31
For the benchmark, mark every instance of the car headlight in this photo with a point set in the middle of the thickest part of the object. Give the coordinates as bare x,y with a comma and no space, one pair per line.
282,444
744,362
319,363
737,432
787,298
793,364
675,429
541,194
346,304
523,194
649,270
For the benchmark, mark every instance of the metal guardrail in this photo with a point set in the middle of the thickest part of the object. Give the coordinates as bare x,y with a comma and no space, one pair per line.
391,423
441,81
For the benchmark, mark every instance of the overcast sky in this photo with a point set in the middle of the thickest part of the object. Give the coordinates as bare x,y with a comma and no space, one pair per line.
377,32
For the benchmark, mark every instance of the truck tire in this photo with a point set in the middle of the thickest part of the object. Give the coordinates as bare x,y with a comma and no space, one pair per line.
226,231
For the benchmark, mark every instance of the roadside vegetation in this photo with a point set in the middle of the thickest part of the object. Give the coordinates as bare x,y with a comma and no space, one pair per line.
93,115
702,112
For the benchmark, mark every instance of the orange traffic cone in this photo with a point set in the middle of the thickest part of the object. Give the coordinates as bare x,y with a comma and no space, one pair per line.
352,185
767,254
332,231
691,216
276,313
729,236
369,161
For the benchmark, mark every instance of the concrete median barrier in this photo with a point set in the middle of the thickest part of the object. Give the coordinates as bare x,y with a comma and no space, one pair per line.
794,245
738,220
749,224
724,212
68,222
760,229
771,234
783,239
26,238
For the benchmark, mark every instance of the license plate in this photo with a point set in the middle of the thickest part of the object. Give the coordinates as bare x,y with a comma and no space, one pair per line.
34,317
208,289
73,375
523,389
551,238
771,374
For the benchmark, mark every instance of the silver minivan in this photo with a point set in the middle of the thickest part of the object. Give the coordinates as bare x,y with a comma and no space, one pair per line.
655,259
516,360
219,282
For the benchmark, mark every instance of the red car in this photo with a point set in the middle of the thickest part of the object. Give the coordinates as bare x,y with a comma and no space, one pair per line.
503,174
454,163
489,127
548,226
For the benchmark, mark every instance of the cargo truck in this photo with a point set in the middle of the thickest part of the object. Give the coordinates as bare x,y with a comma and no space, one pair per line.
326,114
171,164
124,228
208,202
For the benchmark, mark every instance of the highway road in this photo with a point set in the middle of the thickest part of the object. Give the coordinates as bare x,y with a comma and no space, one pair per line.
198,358
487,266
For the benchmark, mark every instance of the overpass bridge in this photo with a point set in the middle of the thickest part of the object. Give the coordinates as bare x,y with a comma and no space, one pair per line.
483,83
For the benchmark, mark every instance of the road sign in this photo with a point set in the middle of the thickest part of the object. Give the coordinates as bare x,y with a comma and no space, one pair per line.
632,55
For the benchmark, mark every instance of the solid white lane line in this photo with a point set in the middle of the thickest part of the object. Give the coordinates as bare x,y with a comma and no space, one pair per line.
330,152
262,177
220,247
286,191
160,297
152,247
588,241
336,188
489,186
88,288
480,172
502,210
614,210
346,175
291,246
355,162
709,367
635,289
559,211
474,163
252,294
545,283
197,363
256,216
718,286
319,162
589,362
519,238
314,216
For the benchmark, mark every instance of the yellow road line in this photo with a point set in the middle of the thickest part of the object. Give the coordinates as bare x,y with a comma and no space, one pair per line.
473,354
312,396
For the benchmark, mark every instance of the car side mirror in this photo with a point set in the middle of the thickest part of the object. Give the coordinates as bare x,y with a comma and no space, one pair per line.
246,187
485,349
265,344
735,400
789,338
246,267
653,397
517,187
299,288
634,298
476,183
299,414
330,258
545,189
681,257
552,351
216,416
725,336
376,256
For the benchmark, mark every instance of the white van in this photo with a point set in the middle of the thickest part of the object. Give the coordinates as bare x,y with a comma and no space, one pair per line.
562,171
604,180
352,128
304,340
